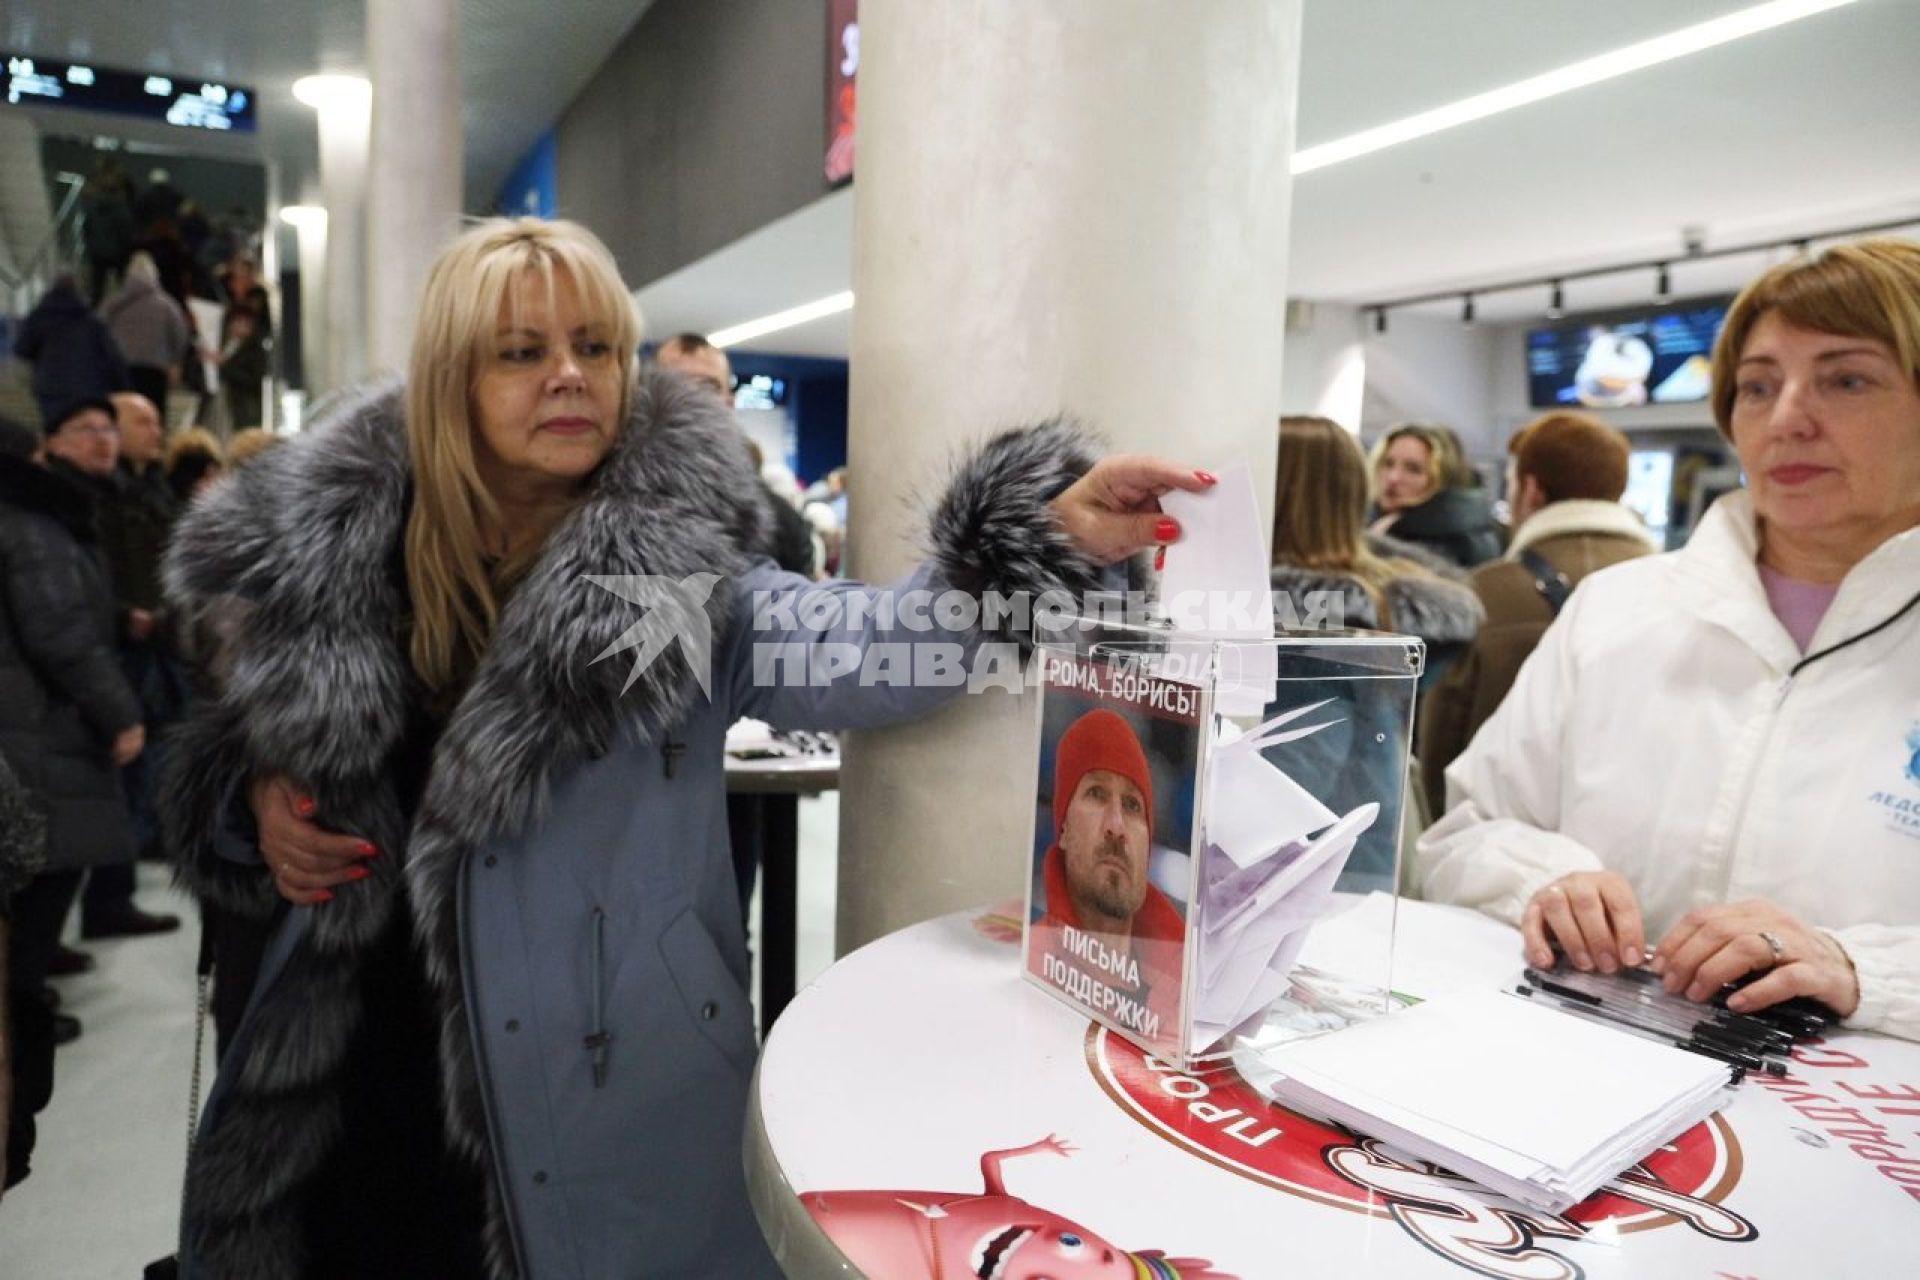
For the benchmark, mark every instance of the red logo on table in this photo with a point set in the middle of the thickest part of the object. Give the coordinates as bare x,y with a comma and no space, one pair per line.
1218,1117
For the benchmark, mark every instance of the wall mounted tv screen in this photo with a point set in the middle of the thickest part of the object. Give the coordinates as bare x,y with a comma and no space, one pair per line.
1622,359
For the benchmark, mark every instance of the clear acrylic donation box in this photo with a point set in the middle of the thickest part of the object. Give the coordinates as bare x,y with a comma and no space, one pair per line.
1201,803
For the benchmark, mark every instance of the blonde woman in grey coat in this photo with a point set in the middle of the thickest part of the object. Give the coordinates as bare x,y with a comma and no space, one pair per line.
502,1026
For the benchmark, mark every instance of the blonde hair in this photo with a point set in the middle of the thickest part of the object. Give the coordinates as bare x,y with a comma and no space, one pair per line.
1865,289
251,443
456,595
1320,496
197,441
1449,468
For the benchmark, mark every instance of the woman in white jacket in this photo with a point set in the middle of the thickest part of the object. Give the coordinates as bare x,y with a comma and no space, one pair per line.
1719,748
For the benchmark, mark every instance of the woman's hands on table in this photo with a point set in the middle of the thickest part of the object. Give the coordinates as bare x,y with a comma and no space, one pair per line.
1713,946
1594,917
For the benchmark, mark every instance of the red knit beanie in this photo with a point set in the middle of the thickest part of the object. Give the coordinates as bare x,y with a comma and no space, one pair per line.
1100,739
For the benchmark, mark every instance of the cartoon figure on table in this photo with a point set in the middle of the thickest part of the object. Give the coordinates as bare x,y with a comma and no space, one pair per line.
903,1235
1101,917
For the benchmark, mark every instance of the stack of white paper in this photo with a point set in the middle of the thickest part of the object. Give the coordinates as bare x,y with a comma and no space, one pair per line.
1529,1102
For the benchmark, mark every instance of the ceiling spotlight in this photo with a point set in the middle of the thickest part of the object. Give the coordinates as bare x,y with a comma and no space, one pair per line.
1557,301
330,92
1466,308
304,217
1662,284
1379,319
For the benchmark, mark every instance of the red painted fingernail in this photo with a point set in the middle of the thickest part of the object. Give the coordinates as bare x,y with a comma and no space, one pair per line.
1167,530
1206,477
359,873
1160,558
367,850
304,807
325,895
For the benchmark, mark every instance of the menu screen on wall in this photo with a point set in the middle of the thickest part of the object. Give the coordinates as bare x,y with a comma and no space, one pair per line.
1622,360
175,100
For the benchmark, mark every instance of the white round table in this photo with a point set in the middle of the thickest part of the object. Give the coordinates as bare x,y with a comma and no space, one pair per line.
888,1086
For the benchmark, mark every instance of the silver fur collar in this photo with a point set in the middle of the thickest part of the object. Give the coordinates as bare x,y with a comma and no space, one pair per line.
297,556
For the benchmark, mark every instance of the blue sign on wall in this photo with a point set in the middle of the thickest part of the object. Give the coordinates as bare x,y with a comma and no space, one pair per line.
531,190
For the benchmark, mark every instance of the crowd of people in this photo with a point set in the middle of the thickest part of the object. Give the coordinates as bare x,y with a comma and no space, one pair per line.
470,901
131,323
92,672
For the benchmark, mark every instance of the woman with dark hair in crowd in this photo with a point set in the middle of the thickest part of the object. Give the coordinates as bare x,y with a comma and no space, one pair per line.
1709,762
503,1026
1424,494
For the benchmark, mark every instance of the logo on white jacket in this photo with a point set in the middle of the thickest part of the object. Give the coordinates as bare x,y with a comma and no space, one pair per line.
674,610
1913,755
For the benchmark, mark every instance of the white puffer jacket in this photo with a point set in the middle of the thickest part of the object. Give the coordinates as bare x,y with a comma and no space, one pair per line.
1668,728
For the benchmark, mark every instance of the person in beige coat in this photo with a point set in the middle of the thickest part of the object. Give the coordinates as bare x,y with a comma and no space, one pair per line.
1568,472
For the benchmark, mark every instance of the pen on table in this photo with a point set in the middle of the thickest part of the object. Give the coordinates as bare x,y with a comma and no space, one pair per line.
1733,1058
1688,1021
1674,1023
1746,1030
1796,1019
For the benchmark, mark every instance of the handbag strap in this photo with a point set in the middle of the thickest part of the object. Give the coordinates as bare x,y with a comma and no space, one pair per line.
1554,586
202,999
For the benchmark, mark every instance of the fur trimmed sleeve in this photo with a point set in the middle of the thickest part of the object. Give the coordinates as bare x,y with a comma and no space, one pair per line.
994,531
22,837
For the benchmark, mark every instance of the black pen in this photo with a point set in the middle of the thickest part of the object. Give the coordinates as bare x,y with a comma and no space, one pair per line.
1738,1061
1683,1014
1675,1024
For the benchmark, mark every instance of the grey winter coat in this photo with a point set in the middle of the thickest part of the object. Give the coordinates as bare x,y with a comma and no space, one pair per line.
63,695
148,325
567,869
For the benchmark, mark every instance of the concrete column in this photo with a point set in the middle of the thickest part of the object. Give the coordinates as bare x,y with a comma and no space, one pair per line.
1078,206
343,116
413,57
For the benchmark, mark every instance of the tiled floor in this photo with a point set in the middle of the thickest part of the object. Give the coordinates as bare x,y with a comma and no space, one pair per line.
105,1191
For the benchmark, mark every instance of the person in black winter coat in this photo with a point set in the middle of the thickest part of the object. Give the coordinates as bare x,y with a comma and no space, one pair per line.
1422,495
26,1051
68,718
72,354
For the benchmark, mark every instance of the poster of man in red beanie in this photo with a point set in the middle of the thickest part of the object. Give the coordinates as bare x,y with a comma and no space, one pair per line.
1101,932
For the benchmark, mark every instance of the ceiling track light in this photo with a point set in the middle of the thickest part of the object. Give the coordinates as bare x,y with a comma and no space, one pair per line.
1662,267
